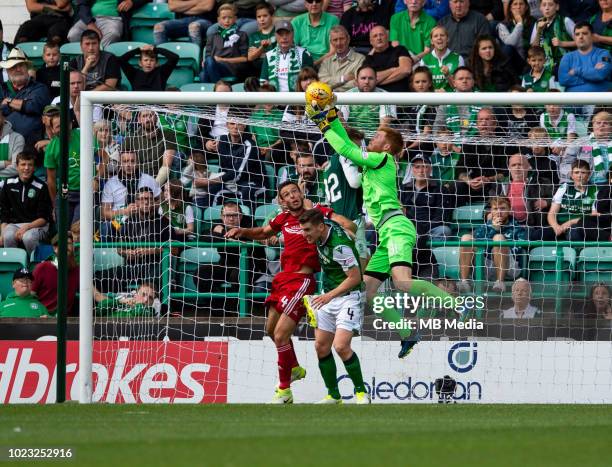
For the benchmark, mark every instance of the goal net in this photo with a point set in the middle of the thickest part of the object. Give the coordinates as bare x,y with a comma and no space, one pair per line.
509,195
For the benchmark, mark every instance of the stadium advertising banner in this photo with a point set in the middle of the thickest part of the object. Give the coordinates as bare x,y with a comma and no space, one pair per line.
150,371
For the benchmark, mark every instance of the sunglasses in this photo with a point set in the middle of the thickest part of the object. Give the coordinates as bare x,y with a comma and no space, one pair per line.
313,1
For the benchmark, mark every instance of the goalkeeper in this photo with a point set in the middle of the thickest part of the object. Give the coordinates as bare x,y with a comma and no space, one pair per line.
396,233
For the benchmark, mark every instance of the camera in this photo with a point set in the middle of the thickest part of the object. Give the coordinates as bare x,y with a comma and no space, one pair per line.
445,388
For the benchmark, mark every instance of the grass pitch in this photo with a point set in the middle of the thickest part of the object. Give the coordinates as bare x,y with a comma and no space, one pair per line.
309,435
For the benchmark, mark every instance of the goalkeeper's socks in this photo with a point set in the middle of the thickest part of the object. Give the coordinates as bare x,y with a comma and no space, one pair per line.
427,289
327,365
284,365
353,368
391,315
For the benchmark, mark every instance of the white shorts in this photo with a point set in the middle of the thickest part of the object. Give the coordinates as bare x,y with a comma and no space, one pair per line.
344,312
361,244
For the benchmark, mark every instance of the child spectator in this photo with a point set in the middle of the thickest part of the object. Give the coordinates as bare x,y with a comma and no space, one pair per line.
418,120
540,158
264,39
559,124
501,262
267,136
150,76
515,31
49,75
441,61
142,302
444,159
226,50
570,215
179,214
539,78
195,176
521,119
106,150
553,32
22,302
218,126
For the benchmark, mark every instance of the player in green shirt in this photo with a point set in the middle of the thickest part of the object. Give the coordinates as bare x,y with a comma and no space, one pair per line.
22,302
336,313
396,234
141,303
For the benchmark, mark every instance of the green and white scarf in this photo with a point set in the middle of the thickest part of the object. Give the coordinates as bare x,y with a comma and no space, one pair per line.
602,159
4,148
227,33
556,29
295,64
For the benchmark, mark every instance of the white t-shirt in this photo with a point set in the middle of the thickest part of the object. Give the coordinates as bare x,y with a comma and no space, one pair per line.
529,312
115,192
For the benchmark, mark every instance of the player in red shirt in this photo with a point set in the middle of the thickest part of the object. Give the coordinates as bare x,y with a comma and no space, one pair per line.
299,262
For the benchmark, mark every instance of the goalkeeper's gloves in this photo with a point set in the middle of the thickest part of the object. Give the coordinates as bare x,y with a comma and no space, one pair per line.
322,117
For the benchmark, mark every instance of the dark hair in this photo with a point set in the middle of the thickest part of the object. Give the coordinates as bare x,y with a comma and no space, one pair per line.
363,67
51,44
427,71
305,73
302,155
477,63
177,191
90,34
580,164
222,83
312,216
583,24
285,184
145,189
251,84
25,156
536,51
516,87
463,68
264,6
267,87
231,203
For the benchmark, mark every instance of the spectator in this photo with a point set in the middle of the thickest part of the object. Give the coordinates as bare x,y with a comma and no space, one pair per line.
45,277
600,306
367,117
444,160
226,50
553,32
49,74
294,114
492,70
101,69
49,19
441,61
107,19
22,302
142,302
412,28
106,150
602,29
242,173
11,144
245,13
287,9
119,196
361,18
521,299
570,216
463,25
598,148
151,76
460,120
392,64
308,178
337,7
195,177
312,30
339,70
515,32
542,161
539,78
418,120
52,158
5,49
264,39
559,124
180,214
282,65
603,209
437,9
422,199
501,262
23,99
25,207
193,18
218,126
267,136
77,85
588,68
51,122
520,120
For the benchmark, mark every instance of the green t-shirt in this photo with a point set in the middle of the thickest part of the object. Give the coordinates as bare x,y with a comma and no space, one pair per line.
451,59
22,307
114,308
379,177
574,204
340,196
545,83
258,36
104,8
52,156
337,254
266,135
416,38
174,128
315,39
443,166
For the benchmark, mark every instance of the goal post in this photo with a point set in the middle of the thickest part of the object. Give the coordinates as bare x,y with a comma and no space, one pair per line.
189,104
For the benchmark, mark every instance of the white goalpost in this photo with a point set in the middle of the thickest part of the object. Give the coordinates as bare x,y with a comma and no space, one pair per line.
205,343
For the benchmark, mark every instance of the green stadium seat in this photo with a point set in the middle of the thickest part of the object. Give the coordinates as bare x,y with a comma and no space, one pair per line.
595,264
71,49
542,264
125,84
238,87
448,261
11,259
143,20
106,258
213,168
467,217
34,51
198,87
188,66
180,77
120,48
266,211
190,260
213,213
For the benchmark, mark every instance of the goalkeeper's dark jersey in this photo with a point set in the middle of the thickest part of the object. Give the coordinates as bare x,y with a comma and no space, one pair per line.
340,195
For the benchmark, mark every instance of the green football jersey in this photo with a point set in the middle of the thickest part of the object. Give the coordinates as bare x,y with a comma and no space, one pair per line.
379,177
340,195
337,254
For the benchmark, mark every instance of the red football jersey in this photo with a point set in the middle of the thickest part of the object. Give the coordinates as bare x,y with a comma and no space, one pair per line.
297,251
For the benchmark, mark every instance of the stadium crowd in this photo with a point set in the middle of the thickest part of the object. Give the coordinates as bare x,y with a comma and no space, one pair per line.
544,173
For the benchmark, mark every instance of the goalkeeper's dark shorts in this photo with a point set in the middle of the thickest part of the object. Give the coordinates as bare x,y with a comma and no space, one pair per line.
396,240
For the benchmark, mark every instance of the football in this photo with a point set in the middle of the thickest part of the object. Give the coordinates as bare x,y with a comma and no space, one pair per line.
319,94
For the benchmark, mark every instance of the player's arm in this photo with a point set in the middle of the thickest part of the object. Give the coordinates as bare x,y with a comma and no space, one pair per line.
353,279
254,233
344,222
344,256
351,173
339,140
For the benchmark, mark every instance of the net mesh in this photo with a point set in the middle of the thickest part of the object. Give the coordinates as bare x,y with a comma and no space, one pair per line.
173,179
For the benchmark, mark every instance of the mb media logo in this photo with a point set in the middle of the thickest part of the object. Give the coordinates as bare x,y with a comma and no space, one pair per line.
462,356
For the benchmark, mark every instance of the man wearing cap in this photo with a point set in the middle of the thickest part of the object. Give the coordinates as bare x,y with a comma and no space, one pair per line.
11,144
23,99
312,30
282,64
25,207
22,303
